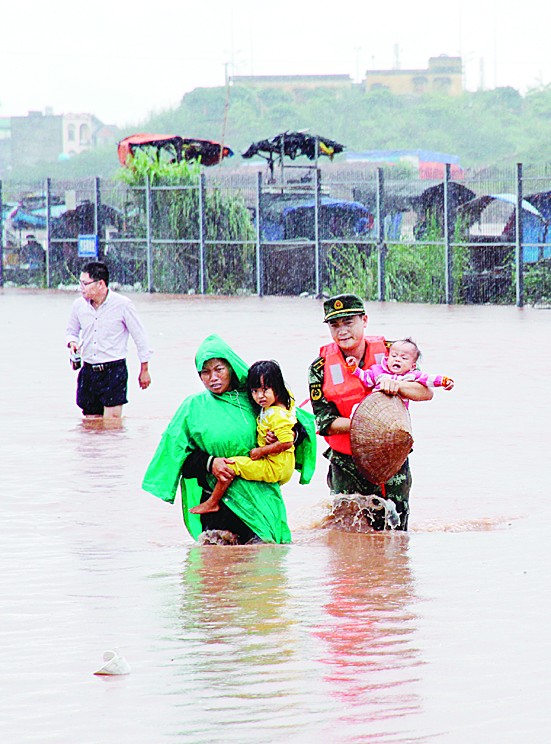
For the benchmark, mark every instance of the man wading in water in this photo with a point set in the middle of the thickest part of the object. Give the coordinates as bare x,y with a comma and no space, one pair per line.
99,325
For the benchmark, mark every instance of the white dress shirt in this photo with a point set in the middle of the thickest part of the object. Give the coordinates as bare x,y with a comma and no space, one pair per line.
102,333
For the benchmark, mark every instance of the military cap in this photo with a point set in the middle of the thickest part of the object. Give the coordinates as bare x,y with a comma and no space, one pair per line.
342,306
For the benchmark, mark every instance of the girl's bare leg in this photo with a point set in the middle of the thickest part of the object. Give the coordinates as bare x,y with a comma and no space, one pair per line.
212,504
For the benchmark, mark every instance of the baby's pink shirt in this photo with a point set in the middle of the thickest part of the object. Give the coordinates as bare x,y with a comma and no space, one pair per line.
370,377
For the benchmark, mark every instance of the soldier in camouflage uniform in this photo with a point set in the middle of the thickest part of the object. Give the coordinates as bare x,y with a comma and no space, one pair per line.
333,395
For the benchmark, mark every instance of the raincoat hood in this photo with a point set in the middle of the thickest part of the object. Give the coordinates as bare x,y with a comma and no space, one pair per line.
214,347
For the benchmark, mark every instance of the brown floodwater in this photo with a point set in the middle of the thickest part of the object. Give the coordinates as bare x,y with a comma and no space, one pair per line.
437,635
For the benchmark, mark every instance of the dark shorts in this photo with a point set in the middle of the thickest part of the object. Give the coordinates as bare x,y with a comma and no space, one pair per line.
102,385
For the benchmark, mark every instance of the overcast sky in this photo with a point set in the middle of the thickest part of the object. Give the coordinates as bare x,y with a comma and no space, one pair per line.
122,60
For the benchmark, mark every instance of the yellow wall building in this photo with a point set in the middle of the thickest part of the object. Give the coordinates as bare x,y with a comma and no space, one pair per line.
443,75
292,82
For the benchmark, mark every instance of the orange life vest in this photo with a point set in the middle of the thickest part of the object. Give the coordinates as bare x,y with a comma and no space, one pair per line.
344,389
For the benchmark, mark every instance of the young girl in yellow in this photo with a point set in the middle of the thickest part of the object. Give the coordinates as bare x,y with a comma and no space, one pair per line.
273,463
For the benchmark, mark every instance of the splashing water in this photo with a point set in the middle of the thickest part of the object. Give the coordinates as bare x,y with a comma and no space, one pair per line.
217,537
356,513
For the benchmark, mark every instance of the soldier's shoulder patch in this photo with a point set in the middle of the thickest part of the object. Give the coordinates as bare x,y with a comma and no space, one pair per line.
315,390
318,363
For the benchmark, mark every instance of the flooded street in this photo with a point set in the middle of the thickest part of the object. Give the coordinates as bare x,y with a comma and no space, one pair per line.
436,635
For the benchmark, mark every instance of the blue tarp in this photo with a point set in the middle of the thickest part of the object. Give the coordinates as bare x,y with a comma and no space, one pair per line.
35,218
326,202
535,225
542,202
337,218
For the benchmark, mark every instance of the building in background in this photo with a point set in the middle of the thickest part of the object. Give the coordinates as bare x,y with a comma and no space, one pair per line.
292,82
443,75
48,137
36,138
79,133
5,143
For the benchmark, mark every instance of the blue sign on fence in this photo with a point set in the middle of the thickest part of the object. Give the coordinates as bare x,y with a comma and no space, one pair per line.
87,246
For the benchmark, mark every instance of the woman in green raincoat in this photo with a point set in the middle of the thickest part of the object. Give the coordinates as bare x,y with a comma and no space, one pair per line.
210,426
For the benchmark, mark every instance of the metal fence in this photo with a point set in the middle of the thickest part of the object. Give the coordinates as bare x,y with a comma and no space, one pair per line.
307,230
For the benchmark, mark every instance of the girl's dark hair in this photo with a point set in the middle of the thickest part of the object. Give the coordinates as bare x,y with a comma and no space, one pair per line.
267,374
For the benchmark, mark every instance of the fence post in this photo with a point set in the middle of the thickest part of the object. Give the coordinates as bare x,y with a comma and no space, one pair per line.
519,264
381,247
448,250
148,247
317,252
1,237
97,218
48,229
202,226
259,262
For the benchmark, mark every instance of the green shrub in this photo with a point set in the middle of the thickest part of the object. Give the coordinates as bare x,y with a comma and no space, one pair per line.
351,268
413,272
175,216
537,283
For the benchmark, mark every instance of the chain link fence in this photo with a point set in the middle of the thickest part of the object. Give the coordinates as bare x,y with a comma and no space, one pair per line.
306,230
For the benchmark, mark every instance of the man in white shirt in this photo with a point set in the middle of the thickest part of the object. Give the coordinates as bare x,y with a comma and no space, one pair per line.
99,326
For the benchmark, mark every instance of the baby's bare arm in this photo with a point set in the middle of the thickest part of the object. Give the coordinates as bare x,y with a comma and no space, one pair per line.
414,391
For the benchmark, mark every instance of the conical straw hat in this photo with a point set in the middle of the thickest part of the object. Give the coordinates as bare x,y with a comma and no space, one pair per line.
380,436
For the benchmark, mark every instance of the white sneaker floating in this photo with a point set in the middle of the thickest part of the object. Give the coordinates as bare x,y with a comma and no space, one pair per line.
114,664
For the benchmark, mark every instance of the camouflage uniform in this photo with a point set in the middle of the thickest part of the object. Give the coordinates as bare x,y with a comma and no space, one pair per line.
343,476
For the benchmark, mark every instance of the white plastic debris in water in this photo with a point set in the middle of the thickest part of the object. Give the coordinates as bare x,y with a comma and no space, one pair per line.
114,664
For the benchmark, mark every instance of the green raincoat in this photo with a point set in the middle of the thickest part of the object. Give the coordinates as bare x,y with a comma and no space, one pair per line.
224,425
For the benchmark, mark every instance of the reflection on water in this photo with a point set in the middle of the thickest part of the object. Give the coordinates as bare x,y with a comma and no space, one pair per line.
241,625
100,423
236,630
263,640
436,635
290,653
370,658
237,593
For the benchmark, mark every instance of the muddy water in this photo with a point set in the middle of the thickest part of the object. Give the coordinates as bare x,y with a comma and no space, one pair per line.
438,635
